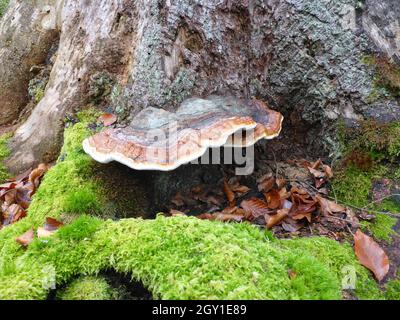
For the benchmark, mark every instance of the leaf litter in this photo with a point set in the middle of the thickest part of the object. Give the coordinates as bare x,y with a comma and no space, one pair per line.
286,207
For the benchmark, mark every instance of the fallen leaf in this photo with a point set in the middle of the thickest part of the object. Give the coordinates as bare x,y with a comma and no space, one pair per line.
371,255
218,216
273,199
316,173
240,189
280,183
291,225
107,119
229,194
230,210
266,183
328,171
52,224
277,218
26,238
329,207
37,174
174,212
254,208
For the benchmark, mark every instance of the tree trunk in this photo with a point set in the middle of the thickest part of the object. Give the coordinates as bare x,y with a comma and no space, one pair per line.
304,57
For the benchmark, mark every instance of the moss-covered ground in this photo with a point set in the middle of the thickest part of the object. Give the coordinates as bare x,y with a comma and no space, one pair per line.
371,152
87,288
4,153
175,258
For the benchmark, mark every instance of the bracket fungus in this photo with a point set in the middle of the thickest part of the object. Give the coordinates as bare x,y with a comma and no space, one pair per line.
157,139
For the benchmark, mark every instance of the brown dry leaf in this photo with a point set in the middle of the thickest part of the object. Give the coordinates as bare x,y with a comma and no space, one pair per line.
328,171
37,174
298,190
23,176
219,216
291,225
240,189
277,218
108,119
316,164
229,194
280,182
9,196
273,199
49,228
26,238
254,208
316,173
371,255
8,185
353,218
52,224
16,212
174,212
230,210
266,183
23,198
319,182
329,207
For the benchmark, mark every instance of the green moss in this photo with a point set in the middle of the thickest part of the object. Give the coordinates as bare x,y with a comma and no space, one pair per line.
64,190
187,258
335,257
381,228
353,186
83,227
3,6
387,76
180,258
4,153
87,288
393,289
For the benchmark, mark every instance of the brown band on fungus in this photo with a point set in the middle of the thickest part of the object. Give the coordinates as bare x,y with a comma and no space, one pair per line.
160,140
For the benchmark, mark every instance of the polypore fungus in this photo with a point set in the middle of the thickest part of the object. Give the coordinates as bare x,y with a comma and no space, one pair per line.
157,139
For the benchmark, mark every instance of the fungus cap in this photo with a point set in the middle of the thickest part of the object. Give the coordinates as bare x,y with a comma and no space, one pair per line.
157,139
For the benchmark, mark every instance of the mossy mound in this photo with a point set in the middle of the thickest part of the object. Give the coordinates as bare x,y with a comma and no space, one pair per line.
175,258
87,288
187,258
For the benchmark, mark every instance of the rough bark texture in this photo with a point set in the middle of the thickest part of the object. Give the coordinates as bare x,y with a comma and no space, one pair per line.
304,57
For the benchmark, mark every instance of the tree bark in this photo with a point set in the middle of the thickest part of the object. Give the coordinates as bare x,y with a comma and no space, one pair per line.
304,57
